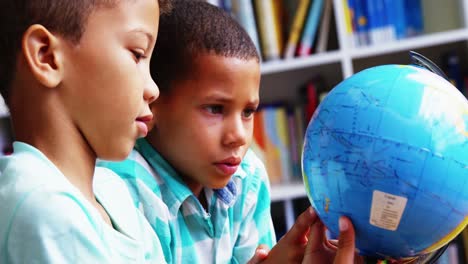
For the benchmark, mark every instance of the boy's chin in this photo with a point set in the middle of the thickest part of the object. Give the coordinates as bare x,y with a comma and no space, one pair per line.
219,185
115,155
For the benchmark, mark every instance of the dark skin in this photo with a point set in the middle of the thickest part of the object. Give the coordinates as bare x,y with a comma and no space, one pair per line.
306,243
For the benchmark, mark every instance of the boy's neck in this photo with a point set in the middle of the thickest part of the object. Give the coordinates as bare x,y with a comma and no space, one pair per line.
41,122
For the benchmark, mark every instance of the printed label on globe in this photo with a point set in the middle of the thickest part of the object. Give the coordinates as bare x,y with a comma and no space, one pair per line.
386,210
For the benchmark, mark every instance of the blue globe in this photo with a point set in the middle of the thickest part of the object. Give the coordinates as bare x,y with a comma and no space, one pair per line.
388,147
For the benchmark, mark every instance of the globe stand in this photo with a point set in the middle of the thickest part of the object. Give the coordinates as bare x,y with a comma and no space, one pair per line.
423,62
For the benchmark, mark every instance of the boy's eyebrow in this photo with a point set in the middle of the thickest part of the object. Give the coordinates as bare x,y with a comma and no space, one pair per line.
218,97
144,32
227,99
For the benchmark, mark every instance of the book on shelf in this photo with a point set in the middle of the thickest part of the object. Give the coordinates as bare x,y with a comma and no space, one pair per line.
300,124
244,13
379,28
464,245
312,99
312,22
395,11
295,157
323,34
361,22
350,27
272,143
296,29
414,15
268,22
290,9
279,130
226,5
374,22
452,68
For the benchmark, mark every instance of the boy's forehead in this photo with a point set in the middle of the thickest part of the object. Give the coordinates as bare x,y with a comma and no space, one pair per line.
218,76
210,61
134,16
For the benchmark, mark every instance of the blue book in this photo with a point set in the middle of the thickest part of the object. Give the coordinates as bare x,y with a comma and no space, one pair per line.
361,22
310,28
377,22
453,70
226,5
395,10
415,25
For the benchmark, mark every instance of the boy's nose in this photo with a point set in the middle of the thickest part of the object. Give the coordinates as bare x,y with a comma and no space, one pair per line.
236,134
151,91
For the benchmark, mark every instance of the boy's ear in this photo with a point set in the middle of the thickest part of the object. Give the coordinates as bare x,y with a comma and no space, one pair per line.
42,53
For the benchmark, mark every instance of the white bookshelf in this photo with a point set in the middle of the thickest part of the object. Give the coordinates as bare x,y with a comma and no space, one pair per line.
281,79
341,57
287,191
300,63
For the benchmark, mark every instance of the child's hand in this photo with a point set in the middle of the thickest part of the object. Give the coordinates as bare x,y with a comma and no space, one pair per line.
306,243
261,253
291,247
320,250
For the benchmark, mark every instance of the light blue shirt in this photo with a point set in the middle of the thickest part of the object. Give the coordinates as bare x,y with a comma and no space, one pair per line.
45,219
237,220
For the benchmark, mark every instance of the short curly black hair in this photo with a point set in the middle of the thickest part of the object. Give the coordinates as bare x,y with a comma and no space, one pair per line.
192,28
65,17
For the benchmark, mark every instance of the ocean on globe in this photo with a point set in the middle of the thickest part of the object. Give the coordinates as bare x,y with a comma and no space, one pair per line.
388,147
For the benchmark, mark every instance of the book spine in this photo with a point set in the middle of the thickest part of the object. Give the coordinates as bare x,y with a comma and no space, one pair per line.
349,18
395,10
294,152
362,23
414,17
278,160
258,142
376,22
226,5
300,122
278,10
310,29
324,30
464,238
283,143
312,100
273,152
244,13
296,29
266,27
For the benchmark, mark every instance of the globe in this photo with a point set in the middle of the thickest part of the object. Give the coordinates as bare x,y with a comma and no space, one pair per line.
388,148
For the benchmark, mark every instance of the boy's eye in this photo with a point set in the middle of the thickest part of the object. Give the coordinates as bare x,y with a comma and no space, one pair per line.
248,112
138,55
214,109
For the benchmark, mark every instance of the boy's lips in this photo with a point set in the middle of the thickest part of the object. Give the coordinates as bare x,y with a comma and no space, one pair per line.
142,124
145,118
228,166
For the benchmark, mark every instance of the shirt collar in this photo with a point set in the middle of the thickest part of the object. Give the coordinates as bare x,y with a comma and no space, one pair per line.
174,190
